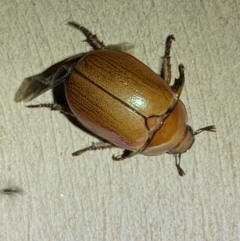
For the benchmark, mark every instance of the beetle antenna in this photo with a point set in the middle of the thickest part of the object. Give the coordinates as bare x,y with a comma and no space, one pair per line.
211,128
178,160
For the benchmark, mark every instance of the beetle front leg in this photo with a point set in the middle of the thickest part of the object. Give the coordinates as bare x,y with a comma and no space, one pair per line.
96,44
179,83
166,64
56,107
92,39
177,162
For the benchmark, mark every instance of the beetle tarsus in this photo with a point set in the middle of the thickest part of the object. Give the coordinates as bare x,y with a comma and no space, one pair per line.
79,152
54,107
166,64
179,83
94,147
168,45
50,106
92,39
180,170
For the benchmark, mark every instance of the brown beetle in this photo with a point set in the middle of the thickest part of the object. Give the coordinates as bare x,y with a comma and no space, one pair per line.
120,99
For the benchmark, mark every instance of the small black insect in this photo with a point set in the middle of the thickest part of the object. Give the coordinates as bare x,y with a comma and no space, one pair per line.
11,191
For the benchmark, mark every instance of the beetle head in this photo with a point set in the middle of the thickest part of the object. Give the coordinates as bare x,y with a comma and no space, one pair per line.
188,139
186,143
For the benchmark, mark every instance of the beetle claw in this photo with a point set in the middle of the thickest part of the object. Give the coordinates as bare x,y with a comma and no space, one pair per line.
180,170
126,154
94,147
118,157
178,160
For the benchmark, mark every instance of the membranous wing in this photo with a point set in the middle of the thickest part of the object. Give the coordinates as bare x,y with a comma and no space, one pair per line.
36,85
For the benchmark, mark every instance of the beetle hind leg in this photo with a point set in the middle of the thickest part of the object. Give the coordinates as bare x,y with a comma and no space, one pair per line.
177,162
56,107
92,39
94,147
166,64
106,145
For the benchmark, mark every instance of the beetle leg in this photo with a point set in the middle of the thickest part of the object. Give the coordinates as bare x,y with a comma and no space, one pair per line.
179,83
93,147
180,170
62,108
166,64
126,154
92,39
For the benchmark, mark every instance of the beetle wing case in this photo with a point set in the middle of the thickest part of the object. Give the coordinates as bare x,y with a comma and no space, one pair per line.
113,94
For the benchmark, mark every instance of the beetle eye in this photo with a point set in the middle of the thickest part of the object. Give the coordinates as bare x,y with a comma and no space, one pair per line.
190,129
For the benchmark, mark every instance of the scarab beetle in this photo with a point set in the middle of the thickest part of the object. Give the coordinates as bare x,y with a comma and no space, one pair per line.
120,99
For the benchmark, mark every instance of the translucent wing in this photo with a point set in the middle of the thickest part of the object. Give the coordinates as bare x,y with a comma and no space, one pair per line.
36,85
